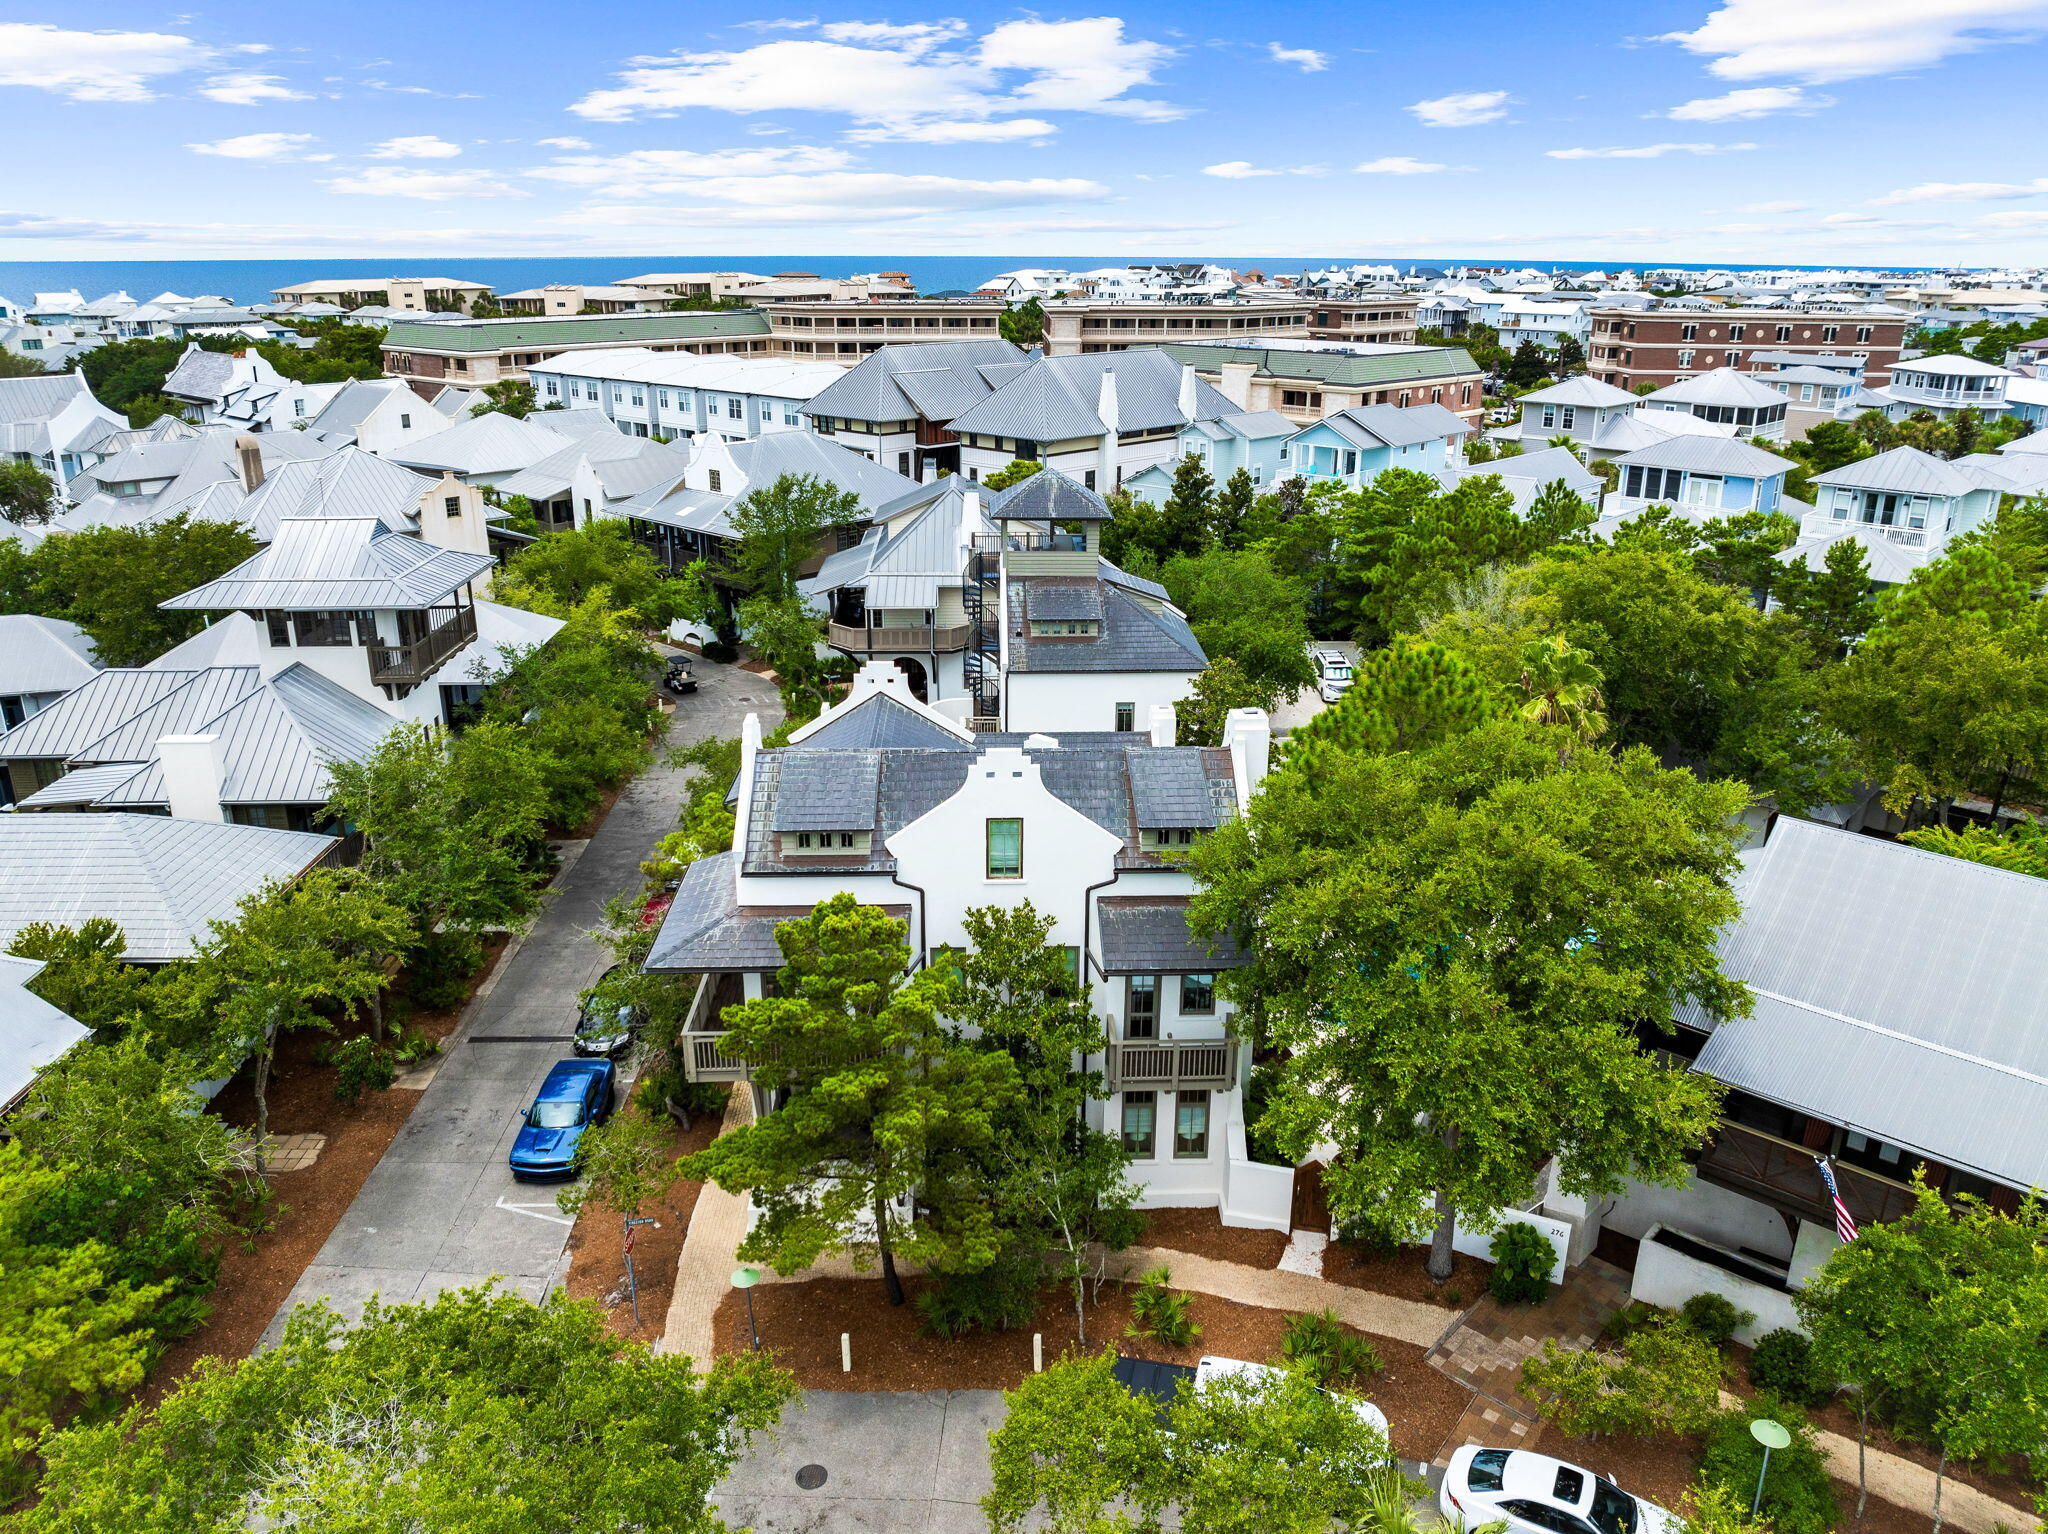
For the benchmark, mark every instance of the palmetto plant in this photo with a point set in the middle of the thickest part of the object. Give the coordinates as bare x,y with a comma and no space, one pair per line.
1561,685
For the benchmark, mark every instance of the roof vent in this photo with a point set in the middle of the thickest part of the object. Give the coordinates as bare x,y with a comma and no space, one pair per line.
1040,743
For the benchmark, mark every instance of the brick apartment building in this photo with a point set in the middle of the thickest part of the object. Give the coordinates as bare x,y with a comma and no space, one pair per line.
1631,347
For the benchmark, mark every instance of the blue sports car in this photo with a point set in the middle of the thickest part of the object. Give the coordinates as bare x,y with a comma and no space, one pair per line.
577,1094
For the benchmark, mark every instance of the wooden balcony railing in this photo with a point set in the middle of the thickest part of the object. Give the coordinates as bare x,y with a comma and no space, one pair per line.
1168,1064
1752,1162
942,637
407,665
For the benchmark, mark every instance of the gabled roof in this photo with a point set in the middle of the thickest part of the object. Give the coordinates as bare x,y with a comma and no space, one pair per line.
881,721
275,744
350,483
935,379
1057,398
491,443
1951,366
161,880
1709,455
33,1034
1936,1044
1339,368
353,403
100,705
1253,425
1909,471
43,655
199,374
1374,426
623,465
1543,466
763,460
1889,562
176,713
1580,390
1805,373
39,396
1722,386
1133,637
321,564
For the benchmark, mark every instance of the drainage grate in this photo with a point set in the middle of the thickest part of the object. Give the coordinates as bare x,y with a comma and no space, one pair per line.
811,1477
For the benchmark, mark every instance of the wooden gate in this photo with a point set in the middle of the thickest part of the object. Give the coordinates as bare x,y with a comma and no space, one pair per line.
1311,1206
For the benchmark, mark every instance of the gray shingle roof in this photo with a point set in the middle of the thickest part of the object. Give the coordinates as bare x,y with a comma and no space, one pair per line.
707,932
43,655
1049,496
1170,790
1149,935
1133,637
1052,599
820,792
33,1034
881,721
935,379
161,880
1935,1044
321,564
201,374
1056,398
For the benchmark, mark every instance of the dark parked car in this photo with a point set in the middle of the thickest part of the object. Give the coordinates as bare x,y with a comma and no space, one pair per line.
577,1094
677,678
608,1019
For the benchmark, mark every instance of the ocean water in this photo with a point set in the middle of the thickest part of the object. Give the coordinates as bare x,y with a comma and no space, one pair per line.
253,281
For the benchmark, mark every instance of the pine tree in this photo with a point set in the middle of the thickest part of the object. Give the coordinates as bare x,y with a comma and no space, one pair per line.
1184,519
1410,695
1528,366
1571,356
1234,503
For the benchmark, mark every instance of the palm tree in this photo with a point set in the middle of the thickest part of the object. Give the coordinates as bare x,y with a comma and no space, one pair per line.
1565,440
1561,685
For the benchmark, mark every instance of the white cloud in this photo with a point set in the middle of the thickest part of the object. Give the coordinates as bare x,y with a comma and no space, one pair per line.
1464,109
1645,151
249,90
419,146
1961,191
419,90
1242,170
563,143
917,35
942,132
659,172
1822,40
894,79
262,146
837,197
1755,101
1397,165
426,185
93,66
1773,207
2013,219
1308,59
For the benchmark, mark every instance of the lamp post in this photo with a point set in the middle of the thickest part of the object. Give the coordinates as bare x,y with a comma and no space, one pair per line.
1772,1435
744,1279
632,1282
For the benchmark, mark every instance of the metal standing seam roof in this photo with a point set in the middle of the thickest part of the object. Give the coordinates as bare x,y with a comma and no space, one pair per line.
176,713
275,745
587,330
82,786
1889,562
1722,386
1344,370
1149,935
1056,399
491,443
1708,455
1049,496
1952,365
84,715
1908,470
1936,1044
350,483
326,564
946,374
43,655
38,396
1583,390
33,1034
1394,425
161,880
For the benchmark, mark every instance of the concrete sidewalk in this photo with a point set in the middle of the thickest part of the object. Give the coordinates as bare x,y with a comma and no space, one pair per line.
711,1250
1278,1289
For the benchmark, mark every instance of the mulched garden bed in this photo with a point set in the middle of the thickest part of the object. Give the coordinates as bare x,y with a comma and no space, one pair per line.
597,1266
1202,1232
801,1323
1405,1276
256,1277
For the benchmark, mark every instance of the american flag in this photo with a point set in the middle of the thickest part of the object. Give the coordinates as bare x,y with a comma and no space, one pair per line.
1845,1222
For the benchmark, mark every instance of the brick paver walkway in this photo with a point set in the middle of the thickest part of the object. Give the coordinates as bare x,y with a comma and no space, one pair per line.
711,1249
1488,1347
292,1153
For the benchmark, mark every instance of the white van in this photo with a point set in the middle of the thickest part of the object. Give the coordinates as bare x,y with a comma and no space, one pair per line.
1333,672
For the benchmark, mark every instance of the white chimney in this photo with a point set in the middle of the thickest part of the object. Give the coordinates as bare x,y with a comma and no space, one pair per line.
1248,736
1160,720
192,776
1187,392
1234,383
452,517
249,463
1105,458
970,520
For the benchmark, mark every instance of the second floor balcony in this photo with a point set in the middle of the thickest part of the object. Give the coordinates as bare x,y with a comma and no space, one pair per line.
411,662
941,637
1171,1064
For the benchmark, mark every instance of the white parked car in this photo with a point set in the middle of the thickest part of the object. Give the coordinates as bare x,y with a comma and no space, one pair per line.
1535,1494
1333,672
1210,1369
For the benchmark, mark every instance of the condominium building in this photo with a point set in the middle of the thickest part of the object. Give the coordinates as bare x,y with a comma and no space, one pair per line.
1307,380
675,394
1630,347
445,294
478,352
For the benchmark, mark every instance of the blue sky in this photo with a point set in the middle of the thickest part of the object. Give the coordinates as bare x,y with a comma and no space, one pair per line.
1808,131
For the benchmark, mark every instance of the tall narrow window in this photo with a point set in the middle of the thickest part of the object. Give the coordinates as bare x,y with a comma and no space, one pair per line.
1191,1124
1141,1111
1006,849
714,476
1141,1008
1126,716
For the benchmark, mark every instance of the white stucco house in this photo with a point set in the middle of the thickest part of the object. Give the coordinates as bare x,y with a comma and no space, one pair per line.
675,394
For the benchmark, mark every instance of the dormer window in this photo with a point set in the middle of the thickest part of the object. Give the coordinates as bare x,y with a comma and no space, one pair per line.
1065,628
1167,838
827,844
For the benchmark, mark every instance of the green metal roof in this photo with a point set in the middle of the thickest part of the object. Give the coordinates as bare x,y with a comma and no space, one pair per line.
585,330
1339,369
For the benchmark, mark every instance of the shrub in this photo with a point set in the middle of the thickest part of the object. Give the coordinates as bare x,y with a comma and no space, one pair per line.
361,1065
1798,1497
1666,1378
998,1298
1783,1365
723,651
1714,1317
1324,1349
440,969
1161,1312
412,1047
1369,1237
1522,1259
1628,1320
